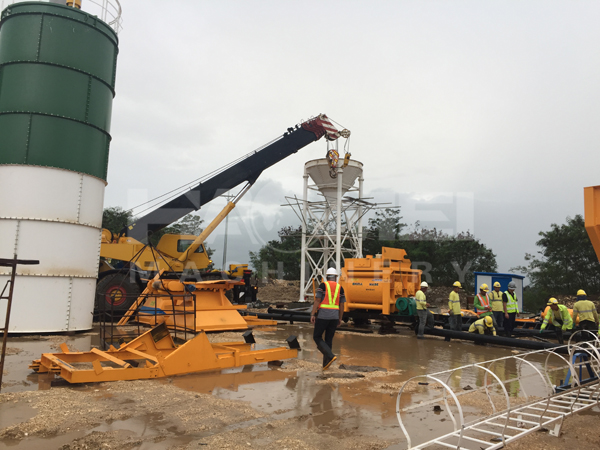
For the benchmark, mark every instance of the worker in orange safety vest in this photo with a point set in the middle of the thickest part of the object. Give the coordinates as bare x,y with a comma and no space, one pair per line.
327,314
483,305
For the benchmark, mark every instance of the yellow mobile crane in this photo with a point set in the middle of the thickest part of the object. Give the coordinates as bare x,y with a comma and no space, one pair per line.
117,289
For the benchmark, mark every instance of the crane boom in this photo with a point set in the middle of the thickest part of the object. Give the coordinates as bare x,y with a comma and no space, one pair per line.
246,170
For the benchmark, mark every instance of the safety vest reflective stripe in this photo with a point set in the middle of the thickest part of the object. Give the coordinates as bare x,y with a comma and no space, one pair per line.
562,314
497,304
333,302
512,305
482,302
496,296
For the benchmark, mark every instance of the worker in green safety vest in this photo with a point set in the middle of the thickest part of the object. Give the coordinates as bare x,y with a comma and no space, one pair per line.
424,315
497,305
483,326
454,311
559,316
511,308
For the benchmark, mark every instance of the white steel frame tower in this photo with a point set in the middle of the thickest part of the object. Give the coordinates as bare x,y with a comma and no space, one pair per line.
328,237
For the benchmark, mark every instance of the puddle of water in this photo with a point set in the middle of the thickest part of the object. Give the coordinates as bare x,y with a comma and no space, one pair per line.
17,413
228,379
334,408
18,376
150,427
41,443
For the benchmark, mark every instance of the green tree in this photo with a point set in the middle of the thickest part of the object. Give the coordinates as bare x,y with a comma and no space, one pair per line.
383,230
115,218
444,258
190,224
448,258
565,262
284,253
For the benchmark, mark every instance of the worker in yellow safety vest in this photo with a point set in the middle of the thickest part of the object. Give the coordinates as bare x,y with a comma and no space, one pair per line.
497,307
327,314
587,313
424,315
559,316
483,326
454,311
511,308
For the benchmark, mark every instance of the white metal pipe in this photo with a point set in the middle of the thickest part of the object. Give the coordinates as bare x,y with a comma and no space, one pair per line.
303,252
360,231
338,231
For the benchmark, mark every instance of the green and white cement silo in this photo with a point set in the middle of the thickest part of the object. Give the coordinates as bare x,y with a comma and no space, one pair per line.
57,83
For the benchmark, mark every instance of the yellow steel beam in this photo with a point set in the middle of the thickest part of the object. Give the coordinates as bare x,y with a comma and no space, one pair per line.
195,355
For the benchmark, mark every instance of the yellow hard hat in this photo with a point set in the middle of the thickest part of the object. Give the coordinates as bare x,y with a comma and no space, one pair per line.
552,301
581,292
496,284
484,287
488,321
457,284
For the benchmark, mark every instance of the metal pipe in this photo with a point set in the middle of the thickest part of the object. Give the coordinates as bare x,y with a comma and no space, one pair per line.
487,339
338,232
282,317
360,209
303,282
287,311
214,224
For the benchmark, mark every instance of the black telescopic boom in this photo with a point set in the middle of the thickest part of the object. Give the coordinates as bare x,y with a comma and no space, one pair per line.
247,170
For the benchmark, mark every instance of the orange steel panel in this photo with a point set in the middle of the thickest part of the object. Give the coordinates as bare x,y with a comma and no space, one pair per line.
252,321
591,196
213,310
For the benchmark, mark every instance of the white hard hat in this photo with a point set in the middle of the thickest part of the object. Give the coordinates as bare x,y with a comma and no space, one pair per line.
424,284
331,271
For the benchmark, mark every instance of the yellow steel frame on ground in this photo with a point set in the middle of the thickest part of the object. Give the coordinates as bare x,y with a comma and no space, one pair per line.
154,355
170,302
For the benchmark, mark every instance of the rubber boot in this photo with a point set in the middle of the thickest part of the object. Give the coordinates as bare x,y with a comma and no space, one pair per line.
328,356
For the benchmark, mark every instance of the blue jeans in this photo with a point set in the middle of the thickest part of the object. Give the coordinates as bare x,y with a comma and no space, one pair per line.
455,322
499,317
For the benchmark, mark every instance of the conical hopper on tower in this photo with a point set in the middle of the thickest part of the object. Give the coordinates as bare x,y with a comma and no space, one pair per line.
318,170
332,227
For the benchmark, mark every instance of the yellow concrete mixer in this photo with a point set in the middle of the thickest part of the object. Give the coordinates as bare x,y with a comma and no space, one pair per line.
375,283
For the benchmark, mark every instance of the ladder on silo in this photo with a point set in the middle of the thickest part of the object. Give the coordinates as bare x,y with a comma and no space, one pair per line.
10,284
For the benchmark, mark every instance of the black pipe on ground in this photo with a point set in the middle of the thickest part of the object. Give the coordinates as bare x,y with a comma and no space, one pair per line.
288,311
283,317
528,332
489,339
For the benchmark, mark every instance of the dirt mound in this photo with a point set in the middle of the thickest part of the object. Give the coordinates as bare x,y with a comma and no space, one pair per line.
279,291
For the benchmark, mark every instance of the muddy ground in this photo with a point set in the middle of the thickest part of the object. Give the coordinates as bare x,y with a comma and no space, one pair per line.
292,406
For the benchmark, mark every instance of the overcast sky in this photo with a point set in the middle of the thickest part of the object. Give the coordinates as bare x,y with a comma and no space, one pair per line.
469,115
